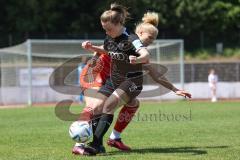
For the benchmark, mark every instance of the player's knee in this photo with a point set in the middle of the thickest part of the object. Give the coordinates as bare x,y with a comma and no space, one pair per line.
98,110
108,108
110,105
134,103
97,106
137,102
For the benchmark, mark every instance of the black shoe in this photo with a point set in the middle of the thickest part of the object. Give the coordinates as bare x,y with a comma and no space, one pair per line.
102,149
95,149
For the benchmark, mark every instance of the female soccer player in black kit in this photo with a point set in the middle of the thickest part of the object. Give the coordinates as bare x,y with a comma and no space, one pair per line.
125,83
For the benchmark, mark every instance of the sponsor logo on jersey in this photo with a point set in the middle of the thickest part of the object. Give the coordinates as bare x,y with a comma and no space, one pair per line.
118,56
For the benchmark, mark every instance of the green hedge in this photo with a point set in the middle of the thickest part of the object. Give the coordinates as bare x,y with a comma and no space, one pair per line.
205,54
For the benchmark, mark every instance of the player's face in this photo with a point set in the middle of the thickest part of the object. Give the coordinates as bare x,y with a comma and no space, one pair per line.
147,38
111,29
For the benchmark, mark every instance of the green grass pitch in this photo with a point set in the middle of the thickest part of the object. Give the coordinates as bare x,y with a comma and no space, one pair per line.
167,130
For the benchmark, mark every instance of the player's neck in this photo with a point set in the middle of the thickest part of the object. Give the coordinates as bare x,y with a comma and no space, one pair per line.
121,30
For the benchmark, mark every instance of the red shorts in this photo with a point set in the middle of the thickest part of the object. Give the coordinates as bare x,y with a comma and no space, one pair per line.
95,73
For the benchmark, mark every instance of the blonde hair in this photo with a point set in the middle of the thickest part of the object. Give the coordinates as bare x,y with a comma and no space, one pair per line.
116,14
149,23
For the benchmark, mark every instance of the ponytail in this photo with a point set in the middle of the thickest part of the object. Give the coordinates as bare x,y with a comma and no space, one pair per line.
116,14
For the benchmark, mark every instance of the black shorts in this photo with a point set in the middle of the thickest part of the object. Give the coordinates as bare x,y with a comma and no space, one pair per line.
107,89
131,89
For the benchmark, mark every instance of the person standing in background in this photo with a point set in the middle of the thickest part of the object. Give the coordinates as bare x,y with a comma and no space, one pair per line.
212,82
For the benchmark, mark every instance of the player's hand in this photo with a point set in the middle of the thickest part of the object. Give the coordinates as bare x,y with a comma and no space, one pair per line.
133,59
87,45
183,93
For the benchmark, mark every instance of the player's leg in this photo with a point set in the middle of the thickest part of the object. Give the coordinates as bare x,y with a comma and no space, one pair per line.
122,95
91,113
106,119
104,92
214,96
92,103
97,104
124,118
212,90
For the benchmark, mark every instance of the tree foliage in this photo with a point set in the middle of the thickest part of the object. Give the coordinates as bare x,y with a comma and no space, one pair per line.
183,17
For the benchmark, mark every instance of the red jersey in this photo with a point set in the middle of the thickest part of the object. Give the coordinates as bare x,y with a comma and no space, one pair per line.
95,73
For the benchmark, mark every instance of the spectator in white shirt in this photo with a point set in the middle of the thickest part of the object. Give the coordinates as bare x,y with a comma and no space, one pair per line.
212,82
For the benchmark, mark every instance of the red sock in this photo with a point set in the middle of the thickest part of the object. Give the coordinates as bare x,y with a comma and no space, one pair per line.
124,117
86,114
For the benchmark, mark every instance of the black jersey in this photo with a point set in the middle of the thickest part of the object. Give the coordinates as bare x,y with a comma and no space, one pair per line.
119,49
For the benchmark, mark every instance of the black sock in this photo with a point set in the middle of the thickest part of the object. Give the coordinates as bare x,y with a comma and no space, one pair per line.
102,127
95,121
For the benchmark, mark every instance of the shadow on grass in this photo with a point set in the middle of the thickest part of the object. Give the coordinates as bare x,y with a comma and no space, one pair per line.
191,150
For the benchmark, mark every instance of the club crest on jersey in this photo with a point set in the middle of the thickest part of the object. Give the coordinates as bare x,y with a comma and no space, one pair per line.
125,45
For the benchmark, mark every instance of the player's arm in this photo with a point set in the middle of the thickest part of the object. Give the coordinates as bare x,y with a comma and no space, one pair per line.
141,50
143,58
159,78
90,47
